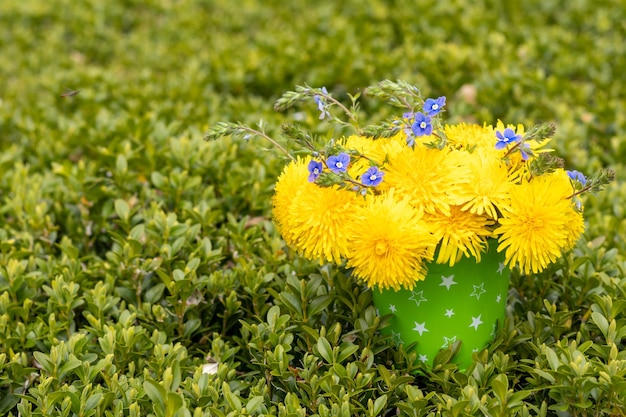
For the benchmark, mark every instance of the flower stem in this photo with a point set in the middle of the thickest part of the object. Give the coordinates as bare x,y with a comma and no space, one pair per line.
269,139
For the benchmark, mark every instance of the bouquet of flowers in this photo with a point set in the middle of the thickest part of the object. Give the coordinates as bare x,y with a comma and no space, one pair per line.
391,198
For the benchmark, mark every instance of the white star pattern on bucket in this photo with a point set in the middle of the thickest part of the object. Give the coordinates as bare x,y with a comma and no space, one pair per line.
478,291
420,327
448,309
476,321
396,337
447,281
447,341
418,297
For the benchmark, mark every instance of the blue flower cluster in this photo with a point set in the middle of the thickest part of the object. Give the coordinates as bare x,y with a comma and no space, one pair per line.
421,122
338,164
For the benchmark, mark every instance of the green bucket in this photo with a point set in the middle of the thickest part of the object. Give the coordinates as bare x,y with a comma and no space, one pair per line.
465,302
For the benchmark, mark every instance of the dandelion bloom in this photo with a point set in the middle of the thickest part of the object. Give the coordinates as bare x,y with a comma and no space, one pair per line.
389,244
470,136
574,227
290,183
488,185
461,233
534,226
311,218
428,177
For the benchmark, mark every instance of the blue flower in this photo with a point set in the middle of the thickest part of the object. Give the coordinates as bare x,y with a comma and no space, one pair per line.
321,104
372,177
577,176
315,169
506,138
433,106
422,125
339,163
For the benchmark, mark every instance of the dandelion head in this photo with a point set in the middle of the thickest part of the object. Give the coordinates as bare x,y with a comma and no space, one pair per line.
534,229
389,245
469,136
460,233
311,218
488,185
428,177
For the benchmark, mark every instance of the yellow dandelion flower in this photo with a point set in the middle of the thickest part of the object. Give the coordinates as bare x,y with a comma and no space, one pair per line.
461,233
488,185
311,218
470,136
389,244
428,177
574,226
373,151
533,229
290,182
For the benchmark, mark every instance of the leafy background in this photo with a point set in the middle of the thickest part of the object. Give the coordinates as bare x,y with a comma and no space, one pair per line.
133,253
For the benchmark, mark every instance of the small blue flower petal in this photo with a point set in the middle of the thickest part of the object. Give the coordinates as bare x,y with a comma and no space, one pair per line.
372,177
577,176
506,138
339,163
422,125
434,106
315,169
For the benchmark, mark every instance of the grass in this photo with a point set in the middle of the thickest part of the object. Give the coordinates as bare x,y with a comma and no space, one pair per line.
133,253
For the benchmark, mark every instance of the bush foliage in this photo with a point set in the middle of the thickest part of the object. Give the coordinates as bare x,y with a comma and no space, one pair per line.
134,255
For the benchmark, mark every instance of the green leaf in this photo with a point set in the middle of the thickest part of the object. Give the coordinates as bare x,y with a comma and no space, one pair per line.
319,304
173,404
8,402
380,404
254,403
500,386
347,351
122,209
325,350
157,394
233,401
291,302
92,401
70,364
601,322
552,358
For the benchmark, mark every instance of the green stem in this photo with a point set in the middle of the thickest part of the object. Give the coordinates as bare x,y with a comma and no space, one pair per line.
272,141
341,106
